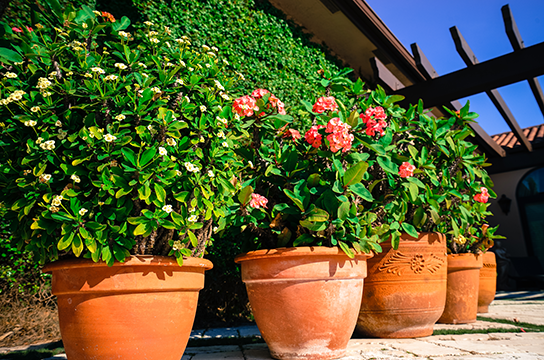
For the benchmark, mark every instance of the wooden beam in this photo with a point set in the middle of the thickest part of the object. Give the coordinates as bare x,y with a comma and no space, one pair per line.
482,138
517,44
470,59
491,74
384,77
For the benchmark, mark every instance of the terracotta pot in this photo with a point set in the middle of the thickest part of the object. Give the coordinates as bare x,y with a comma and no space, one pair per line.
405,290
462,294
141,309
305,300
488,282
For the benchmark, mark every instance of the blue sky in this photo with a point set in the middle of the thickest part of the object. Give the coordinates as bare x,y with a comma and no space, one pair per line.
427,23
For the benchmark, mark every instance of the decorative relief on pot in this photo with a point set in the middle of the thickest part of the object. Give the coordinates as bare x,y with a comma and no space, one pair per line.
417,263
486,265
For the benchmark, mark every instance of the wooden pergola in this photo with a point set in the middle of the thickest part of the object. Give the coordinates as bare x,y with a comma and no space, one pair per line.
523,64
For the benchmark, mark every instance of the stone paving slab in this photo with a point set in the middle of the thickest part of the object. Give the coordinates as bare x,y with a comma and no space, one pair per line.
478,325
524,311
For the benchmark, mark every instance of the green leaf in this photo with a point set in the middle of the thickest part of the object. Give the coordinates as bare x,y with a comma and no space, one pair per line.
410,229
66,241
245,195
414,191
346,249
296,200
147,156
314,226
10,55
121,24
303,240
317,215
387,165
360,190
355,174
130,155
160,192
192,238
343,210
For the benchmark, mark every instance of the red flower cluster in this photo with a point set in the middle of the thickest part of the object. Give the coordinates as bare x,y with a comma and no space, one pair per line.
257,201
108,16
406,170
325,103
292,133
339,137
374,120
250,101
245,105
313,137
19,30
483,196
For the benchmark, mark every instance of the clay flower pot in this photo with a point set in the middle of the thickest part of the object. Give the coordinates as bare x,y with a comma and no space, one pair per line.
405,290
488,282
141,309
462,294
305,299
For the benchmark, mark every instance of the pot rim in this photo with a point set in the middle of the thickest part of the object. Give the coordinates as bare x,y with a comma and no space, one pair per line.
133,260
299,251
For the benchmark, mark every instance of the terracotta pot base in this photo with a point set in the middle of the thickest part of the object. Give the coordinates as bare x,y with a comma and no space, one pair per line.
488,282
462,294
305,300
141,309
405,290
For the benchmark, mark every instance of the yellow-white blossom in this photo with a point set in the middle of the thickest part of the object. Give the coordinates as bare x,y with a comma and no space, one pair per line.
30,123
88,75
43,83
203,108
100,203
109,137
47,94
182,63
191,167
162,151
225,62
167,208
208,66
250,164
218,85
58,123
179,82
57,200
206,47
75,178
52,75
69,73
11,75
193,218
141,64
156,90
178,173
35,109
224,96
120,117
177,245
148,23
120,66
222,120
169,64
192,210
84,25
171,142
154,40
98,70
225,144
54,209
39,140
221,135
211,54
111,78
191,69
124,34
62,134
45,177
187,98
83,211
145,75
210,173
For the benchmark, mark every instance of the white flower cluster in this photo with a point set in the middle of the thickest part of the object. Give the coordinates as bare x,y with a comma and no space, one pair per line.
141,64
98,70
191,167
218,85
109,137
224,95
211,174
193,218
10,75
120,117
111,78
43,83
171,142
35,109
156,90
120,66
57,200
148,23
167,208
162,151
154,40
62,134
76,45
30,123
45,177
75,178
17,95
48,145
179,82
222,120
83,211
124,34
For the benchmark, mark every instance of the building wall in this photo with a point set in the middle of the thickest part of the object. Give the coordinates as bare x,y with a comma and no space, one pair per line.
510,225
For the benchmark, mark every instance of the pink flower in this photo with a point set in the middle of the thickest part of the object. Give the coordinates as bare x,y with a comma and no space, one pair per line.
257,201
374,118
292,133
325,103
16,29
483,196
245,105
259,93
339,137
29,29
406,170
313,137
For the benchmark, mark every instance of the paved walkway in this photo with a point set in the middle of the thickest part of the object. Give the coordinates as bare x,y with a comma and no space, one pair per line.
505,341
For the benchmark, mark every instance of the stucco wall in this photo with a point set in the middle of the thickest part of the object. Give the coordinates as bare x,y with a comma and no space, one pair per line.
510,225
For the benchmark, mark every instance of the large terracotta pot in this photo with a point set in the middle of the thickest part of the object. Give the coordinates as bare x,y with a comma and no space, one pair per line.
141,309
405,290
488,282
462,294
305,300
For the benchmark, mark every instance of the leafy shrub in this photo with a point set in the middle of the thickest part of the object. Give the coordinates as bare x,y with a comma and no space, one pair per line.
125,145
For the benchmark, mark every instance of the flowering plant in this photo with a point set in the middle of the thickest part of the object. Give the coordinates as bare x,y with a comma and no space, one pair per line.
113,142
356,174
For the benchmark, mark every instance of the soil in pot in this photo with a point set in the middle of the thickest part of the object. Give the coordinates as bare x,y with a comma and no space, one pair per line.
488,282
462,294
305,300
405,290
141,309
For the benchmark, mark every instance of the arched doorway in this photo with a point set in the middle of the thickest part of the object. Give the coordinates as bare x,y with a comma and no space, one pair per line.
530,196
